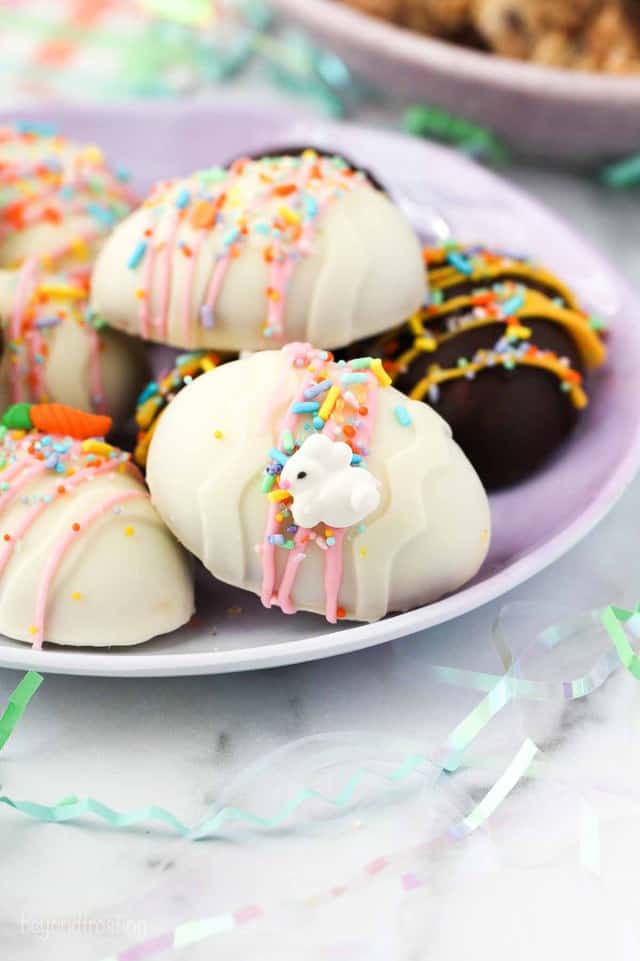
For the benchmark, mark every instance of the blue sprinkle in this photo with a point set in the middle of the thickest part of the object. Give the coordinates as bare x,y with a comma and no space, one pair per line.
278,456
149,391
354,379
402,415
51,461
123,175
331,541
261,228
277,539
183,198
513,305
32,126
137,255
231,236
317,389
66,192
62,446
207,316
293,529
318,423
460,263
355,460
305,407
102,214
310,205
45,440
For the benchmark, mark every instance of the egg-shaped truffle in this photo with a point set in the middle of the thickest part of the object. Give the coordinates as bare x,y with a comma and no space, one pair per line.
54,350
251,452
58,199
501,352
84,557
270,250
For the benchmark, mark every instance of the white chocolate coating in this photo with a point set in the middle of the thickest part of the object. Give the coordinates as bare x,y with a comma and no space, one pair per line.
123,579
59,199
428,536
238,263
65,360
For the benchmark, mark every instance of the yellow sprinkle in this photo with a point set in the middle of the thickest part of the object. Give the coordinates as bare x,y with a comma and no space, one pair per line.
129,531
289,215
98,447
329,402
309,154
383,378
523,333
207,364
328,532
140,294
33,629
79,248
363,552
64,291
218,434
93,154
76,596
276,496
425,343
484,535
279,518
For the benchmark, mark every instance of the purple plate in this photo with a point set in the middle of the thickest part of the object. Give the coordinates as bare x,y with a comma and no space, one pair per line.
534,523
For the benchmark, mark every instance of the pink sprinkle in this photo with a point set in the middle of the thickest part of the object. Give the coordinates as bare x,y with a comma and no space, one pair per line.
374,867
251,913
410,881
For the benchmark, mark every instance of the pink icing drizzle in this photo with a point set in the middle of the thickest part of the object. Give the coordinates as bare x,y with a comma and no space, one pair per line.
61,549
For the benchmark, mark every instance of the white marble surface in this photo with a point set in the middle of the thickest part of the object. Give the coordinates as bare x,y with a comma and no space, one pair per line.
553,871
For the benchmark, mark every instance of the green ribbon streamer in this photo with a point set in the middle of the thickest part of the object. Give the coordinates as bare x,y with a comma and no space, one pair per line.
17,705
612,619
72,808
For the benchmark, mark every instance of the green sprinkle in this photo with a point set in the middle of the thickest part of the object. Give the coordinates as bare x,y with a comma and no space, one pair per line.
565,386
287,441
360,363
267,483
597,323
18,417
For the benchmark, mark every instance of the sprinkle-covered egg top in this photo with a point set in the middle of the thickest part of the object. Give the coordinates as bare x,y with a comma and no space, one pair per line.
271,204
47,179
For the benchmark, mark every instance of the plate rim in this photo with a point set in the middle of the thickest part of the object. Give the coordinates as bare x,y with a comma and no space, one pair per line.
116,663
497,71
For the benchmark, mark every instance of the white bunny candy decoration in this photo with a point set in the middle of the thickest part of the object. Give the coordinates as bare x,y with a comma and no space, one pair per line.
325,487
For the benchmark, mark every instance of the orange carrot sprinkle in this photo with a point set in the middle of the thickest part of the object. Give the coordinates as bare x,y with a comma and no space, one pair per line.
60,419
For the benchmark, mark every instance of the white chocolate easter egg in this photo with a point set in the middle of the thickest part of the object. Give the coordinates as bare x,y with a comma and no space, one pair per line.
285,248
222,444
54,353
85,559
59,200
